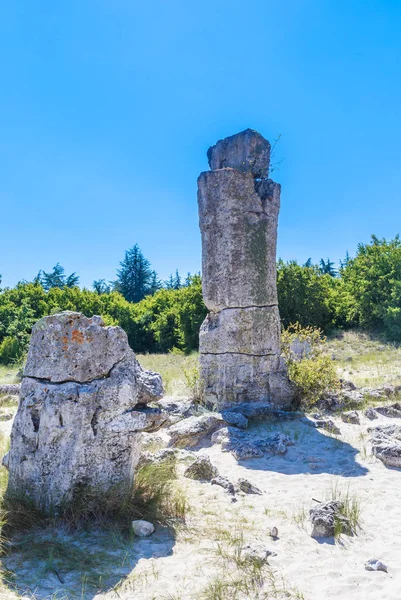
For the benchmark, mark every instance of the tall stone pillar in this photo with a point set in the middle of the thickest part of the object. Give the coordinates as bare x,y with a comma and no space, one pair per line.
240,337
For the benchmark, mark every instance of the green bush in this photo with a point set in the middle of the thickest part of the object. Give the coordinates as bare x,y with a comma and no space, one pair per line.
312,371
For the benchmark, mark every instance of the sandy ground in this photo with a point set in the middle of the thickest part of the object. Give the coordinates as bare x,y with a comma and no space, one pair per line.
181,565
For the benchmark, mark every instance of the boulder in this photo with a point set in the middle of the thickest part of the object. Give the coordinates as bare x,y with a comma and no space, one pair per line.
201,469
257,553
224,483
386,444
75,439
244,485
350,417
244,151
190,431
326,517
142,528
374,564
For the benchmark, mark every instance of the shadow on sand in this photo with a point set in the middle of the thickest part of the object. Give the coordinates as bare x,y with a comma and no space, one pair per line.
57,565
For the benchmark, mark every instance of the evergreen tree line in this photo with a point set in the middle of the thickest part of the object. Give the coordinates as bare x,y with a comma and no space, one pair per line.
364,292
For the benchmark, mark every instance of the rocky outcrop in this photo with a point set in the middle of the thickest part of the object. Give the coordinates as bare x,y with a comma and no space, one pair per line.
240,338
327,519
386,444
82,407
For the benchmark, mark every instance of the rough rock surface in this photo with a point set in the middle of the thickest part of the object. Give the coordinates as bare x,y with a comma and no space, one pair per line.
142,528
242,445
386,444
256,553
201,469
244,485
10,388
350,416
374,564
325,517
240,337
224,482
77,437
245,151
189,432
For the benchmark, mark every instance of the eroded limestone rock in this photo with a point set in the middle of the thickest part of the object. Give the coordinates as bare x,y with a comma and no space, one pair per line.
240,338
81,411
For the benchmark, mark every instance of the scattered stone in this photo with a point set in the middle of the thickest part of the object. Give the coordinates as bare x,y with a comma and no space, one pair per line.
236,419
386,444
256,553
190,431
373,564
244,485
274,532
239,341
243,445
350,417
11,389
142,528
79,436
201,470
224,483
326,424
371,414
6,416
391,410
163,455
325,518
178,409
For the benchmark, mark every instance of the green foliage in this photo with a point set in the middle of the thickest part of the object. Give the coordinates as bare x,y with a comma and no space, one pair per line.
305,295
135,278
168,319
373,283
57,278
312,370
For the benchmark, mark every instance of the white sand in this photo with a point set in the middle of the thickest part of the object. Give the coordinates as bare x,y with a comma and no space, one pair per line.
162,567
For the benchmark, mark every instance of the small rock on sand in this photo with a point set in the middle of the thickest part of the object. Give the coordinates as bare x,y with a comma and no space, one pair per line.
142,528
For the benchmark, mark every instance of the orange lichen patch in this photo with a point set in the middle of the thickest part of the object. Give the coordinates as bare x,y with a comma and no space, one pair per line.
65,342
77,336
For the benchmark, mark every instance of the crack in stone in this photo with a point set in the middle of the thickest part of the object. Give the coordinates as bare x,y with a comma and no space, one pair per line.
106,376
246,307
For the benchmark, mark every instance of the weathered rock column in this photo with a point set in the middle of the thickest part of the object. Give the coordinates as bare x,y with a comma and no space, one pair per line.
240,338
76,435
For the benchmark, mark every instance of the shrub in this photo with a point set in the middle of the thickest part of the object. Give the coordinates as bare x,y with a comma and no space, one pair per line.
313,372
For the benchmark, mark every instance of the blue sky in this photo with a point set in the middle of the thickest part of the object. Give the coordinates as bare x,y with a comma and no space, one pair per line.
107,109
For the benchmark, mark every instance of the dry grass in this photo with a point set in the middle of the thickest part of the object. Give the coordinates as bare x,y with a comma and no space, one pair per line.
172,368
366,359
9,373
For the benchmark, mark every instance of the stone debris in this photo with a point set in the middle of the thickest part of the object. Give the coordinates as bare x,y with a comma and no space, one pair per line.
178,409
386,444
239,341
274,532
256,553
190,431
373,564
82,409
244,485
325,517
224,482
321,423
142,528
350,417
201,469
371,414
11,389
393,411
236,419
243,445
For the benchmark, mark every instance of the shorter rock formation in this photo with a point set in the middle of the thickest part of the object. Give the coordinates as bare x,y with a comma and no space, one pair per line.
327,519
76,434
350,416
386,444
201,469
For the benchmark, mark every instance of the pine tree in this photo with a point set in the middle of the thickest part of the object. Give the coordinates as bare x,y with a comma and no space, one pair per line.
101,287
135,278
57,278
327,267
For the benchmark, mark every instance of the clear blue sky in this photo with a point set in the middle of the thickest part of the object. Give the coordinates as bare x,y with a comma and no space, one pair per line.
107,108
